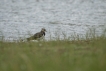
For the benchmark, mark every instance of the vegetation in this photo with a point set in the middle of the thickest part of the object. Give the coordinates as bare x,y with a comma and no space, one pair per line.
57,55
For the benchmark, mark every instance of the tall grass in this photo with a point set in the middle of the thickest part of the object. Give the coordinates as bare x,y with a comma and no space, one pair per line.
59,55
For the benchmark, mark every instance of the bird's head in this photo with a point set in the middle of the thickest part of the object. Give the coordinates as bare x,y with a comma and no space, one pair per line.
43,30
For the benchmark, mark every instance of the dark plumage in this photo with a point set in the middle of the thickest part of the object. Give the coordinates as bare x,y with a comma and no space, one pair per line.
37,35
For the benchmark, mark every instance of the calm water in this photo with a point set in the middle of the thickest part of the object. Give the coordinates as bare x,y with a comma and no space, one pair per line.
19,18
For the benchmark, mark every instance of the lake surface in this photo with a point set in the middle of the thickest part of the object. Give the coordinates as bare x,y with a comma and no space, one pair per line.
19,18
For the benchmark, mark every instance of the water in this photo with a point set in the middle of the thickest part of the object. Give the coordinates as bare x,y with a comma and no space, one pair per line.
19,18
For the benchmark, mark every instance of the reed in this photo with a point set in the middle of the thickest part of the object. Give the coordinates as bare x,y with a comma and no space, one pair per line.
55,55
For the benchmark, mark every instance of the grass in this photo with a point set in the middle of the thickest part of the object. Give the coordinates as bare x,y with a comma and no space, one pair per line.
56,55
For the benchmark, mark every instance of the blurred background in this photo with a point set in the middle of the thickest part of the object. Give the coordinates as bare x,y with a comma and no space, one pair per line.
19,18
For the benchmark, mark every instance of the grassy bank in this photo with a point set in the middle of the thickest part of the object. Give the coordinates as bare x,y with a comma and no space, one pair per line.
81,55
88,54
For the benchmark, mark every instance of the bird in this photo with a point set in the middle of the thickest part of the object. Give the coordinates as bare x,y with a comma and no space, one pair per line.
37,35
